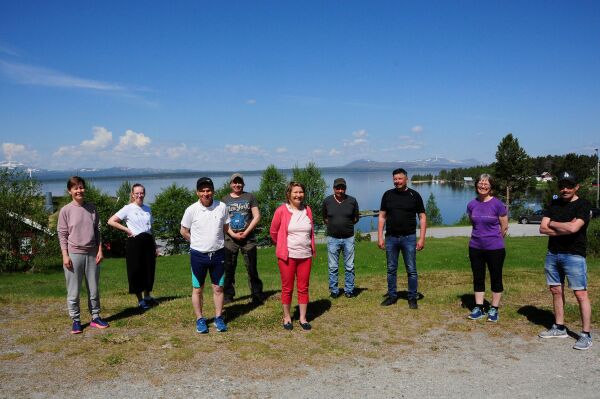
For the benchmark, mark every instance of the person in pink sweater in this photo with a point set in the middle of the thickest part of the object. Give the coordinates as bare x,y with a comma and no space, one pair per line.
81,246
293,233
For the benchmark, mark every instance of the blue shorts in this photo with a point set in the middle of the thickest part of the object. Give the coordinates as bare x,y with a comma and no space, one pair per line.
572,266
207,262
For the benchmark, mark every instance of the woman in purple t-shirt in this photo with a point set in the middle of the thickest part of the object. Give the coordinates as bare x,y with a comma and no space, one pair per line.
490,224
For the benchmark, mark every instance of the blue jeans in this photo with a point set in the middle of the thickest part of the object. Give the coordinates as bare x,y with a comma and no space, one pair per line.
408,246
334,247
573,267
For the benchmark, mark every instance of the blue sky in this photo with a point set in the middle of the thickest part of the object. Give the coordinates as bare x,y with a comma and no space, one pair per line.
238,85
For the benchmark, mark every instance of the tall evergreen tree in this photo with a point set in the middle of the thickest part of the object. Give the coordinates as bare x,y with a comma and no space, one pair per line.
315,187
434,215
270,194
513,168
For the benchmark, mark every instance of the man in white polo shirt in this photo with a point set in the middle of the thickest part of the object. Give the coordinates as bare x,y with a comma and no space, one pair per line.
204,225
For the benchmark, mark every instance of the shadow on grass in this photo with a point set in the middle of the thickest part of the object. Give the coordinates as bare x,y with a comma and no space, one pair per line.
314,310
538,316
468,301
541,317
235,310
404,295
134,311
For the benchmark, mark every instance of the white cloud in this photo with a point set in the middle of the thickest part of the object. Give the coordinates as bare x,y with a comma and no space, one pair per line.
362,133
177,152
333,152
360,138
417,129
318,151
12,150
251,101
32,75
102,138
281,150
244,149
132,140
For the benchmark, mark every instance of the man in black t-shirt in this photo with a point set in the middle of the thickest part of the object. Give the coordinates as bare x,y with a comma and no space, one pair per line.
340,214
398,211
566,221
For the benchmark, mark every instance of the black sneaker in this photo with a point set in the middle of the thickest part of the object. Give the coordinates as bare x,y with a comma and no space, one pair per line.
389,301
349,294
412,303
335,295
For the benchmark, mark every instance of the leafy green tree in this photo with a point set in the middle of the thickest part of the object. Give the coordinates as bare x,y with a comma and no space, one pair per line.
513,169
123,194
167,211
223,190
22,216
270,194
434,216
315,187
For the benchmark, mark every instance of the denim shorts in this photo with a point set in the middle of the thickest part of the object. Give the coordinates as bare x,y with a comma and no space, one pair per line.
572,266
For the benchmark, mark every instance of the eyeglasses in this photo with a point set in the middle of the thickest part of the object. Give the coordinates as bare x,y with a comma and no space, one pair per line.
568,186
138,194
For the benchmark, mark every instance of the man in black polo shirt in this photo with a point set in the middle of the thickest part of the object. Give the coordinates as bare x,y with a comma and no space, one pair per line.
399,207
565,221
340,214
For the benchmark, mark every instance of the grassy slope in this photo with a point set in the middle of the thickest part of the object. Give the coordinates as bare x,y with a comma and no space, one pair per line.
342,327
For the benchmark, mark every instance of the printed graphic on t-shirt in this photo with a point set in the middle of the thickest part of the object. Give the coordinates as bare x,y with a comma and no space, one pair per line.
239,214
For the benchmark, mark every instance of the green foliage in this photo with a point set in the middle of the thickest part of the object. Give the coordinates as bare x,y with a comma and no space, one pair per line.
315,187
123,195
457,174
359,236
434,216
426,177
223,190
584,166
593,238
512,169
270,194
21,206
167,210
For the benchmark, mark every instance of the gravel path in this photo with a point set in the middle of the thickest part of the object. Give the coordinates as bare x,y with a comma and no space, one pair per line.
443,364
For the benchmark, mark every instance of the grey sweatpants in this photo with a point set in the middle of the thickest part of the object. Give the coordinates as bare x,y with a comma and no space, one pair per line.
83,264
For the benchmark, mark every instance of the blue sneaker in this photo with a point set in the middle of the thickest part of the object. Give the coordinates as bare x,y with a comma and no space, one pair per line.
99,323
143,305
493,315
201,326
76,329
220,324
476,314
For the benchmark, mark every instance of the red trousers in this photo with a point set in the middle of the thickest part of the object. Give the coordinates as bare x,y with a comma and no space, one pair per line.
289,270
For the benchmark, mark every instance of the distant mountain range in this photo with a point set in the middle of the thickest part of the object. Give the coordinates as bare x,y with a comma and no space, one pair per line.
432,164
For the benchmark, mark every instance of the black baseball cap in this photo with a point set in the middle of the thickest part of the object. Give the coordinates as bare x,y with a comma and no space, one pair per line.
568,177
204,181
340,181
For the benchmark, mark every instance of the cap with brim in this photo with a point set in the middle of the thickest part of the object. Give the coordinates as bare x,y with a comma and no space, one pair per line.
204,181
567,177
340,181
236,176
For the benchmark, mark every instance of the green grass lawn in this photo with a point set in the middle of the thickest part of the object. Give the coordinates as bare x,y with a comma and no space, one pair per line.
34,319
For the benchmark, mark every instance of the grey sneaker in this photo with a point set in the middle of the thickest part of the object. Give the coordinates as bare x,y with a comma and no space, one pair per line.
554,332
583,343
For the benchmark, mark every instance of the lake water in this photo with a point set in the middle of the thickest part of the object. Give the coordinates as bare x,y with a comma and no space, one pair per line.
366,187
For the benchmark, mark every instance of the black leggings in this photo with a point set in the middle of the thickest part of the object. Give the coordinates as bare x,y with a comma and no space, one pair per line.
140,257
494,258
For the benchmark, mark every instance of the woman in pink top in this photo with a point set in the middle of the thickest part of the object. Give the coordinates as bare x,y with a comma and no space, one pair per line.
294,237
79,237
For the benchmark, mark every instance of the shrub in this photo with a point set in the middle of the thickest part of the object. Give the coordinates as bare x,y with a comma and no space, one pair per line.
167,210
593,238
